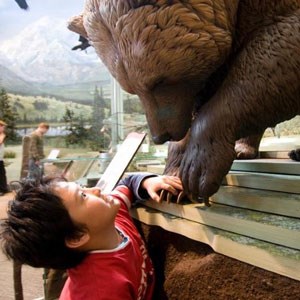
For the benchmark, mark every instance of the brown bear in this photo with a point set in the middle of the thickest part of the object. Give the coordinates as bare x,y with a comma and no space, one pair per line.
222,70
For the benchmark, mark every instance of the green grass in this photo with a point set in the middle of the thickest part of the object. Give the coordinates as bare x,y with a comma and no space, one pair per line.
82,92
24,106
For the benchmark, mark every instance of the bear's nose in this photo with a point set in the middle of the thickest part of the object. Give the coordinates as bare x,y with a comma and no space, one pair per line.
162,138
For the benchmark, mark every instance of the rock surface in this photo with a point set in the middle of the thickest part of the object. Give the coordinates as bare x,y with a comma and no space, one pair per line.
187,269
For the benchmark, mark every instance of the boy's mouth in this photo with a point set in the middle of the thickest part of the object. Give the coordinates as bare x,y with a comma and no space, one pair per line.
108,199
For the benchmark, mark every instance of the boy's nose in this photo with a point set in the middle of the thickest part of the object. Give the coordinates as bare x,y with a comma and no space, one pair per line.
94,190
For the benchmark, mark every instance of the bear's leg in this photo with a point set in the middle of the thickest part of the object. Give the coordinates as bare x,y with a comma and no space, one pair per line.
261,89
247,148
175,154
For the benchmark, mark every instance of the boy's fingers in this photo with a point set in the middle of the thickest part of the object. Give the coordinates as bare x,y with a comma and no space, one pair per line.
173,181
173,189
164,187
165,196
162,195
172,178
154,196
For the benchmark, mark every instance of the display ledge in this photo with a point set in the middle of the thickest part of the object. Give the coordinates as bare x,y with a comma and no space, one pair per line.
264,181
275,258
260,165
274,202
277,229
265,165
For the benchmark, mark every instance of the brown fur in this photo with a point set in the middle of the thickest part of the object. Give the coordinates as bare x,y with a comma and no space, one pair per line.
227,69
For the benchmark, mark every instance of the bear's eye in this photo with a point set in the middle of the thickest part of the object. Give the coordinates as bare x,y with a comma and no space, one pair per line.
158,82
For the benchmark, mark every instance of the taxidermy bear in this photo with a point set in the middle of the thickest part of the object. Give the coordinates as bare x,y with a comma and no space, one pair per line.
212,75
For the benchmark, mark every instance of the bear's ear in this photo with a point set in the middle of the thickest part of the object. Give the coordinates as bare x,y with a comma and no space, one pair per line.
76,24
77,241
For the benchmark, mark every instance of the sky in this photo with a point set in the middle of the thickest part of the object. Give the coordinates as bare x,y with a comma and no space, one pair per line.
13,19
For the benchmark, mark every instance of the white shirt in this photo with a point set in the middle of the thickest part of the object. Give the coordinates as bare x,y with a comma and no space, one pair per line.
1,151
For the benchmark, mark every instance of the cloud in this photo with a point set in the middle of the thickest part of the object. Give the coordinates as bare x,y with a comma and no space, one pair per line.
13,19
3,3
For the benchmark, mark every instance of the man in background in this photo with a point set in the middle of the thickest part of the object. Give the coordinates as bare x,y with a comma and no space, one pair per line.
3,180
36,151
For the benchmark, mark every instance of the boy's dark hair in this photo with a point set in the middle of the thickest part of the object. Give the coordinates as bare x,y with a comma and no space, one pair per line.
36,227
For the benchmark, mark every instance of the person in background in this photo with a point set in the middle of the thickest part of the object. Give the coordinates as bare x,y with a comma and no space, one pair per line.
36,151
58,224
3,180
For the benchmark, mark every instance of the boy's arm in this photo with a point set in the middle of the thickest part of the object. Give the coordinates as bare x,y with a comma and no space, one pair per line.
147,185
154,185
133,182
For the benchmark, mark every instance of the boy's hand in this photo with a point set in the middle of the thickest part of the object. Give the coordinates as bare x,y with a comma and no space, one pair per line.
154,185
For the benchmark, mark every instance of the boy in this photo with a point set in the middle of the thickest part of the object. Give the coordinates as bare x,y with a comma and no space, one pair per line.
61,225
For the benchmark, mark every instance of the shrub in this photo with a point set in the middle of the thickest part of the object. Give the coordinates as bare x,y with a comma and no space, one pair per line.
9,154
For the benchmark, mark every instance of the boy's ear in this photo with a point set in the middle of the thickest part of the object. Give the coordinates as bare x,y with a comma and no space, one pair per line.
77,241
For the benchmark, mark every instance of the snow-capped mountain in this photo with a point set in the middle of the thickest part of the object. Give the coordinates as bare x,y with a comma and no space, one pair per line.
13,82
42,53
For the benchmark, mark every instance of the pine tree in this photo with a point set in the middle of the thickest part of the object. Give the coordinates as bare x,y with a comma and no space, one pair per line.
75,126
8,116
25,121
99,140
98,111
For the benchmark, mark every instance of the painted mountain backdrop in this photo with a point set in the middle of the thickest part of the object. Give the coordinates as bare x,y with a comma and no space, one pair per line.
40,57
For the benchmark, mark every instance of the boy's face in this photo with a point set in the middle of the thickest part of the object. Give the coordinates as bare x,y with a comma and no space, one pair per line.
2,128
87,206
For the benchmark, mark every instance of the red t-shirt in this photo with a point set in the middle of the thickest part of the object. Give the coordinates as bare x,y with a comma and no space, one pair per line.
119,274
